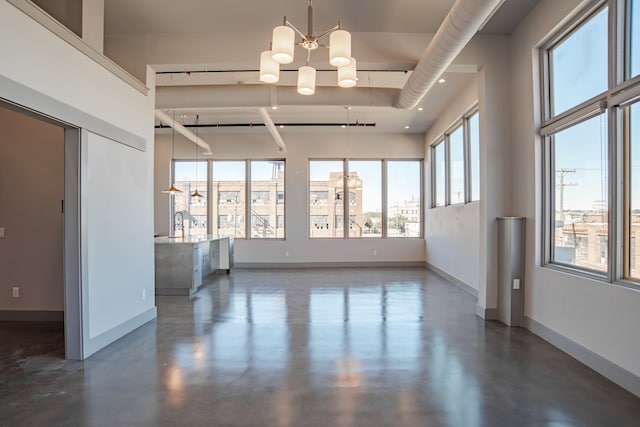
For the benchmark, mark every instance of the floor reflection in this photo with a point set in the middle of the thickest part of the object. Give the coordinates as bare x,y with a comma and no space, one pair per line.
317,347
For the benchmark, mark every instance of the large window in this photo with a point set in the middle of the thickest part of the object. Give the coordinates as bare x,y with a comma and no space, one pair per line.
326,186
232,198
439,178
348,197
267,198
365,208
474,155
404,201
456,163
190,205
578,64
632,126
580,202
634,37
228,184
456,171
583,134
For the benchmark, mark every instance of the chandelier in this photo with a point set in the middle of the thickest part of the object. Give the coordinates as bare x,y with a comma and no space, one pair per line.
282,47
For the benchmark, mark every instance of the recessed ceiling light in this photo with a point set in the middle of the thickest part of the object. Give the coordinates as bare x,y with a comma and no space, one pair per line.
274,107
343,126
442,81
407,127
281,126
420,108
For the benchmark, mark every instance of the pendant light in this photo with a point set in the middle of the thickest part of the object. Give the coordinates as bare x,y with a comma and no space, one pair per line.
269,68
283,42
196,194
306,80
347,75
172,188
340,48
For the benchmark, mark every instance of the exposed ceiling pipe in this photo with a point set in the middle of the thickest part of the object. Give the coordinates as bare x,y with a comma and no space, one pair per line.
465,18
165,118
268,122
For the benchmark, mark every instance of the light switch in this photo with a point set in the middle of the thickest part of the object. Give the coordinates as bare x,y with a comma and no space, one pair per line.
516,283
1,232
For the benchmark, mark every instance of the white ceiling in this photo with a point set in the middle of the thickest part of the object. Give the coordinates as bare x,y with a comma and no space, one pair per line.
368,20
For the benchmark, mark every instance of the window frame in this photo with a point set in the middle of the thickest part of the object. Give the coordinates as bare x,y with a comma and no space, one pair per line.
444,138
621,91
346,217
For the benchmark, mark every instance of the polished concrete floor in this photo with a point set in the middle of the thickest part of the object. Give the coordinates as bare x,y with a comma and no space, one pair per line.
317,347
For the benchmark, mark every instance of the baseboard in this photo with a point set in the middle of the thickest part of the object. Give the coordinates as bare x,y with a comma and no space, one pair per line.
487,313
327,264
94,344
604,367
459,283
31,316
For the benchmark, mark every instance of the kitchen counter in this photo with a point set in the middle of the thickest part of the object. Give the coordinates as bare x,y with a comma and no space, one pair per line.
182,262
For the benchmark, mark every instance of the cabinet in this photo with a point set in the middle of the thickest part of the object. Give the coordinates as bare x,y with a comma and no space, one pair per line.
182,263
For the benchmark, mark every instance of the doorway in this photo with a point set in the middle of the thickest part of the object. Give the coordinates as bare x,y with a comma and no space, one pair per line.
38,161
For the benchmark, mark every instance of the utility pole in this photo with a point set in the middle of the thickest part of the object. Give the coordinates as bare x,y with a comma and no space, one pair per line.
562,173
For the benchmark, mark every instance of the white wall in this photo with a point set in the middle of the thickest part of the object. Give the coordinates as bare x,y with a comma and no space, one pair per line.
43,72
601,317
119,231
300,148
31,191
452,233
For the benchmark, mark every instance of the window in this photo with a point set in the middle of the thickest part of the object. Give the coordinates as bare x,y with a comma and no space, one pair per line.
267,198
456,163
326,182
634,37
632,125
583,195
404,198
229,184
578,64
189,211
319,198
456,171
439,174
365,208
580,202
474,155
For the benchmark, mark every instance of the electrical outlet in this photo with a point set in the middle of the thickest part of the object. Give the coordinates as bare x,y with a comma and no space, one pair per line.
1,232
516,283
375,252
286,253
16,292
144,294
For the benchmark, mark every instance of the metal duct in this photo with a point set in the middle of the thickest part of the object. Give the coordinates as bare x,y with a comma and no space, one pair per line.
165,118
463,21
268,122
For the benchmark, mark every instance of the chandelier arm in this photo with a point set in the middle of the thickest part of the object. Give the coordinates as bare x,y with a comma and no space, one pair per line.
293,27
329,31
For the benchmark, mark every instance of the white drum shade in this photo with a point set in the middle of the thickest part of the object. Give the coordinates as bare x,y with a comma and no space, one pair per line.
269,69
283,42
347,75
306,80
339,48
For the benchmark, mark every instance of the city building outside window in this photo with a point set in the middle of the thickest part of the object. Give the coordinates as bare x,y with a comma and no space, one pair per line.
363,210
188,211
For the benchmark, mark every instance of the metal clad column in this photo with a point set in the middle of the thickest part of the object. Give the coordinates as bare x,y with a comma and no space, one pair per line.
511,235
